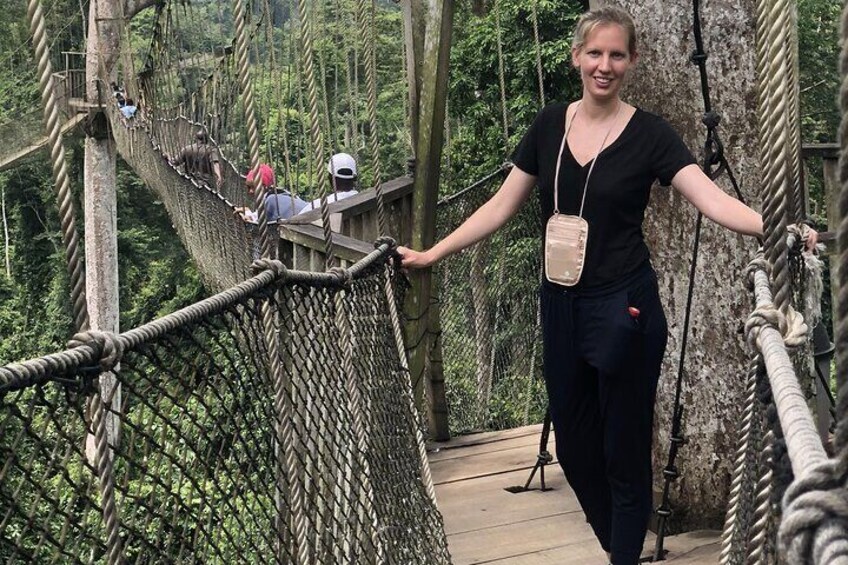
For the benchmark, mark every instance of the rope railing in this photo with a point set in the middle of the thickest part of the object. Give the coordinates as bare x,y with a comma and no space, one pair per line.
814,526
212,451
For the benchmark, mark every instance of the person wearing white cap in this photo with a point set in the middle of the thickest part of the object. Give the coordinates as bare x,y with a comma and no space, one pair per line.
342,169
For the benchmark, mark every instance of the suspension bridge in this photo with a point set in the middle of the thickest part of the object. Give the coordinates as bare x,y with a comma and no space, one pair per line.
280,420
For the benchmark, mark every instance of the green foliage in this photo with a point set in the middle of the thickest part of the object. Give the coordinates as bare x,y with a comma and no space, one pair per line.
477,145
157,276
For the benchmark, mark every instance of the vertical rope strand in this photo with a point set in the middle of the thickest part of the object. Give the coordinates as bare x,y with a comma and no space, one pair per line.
246,84
367,25
840,325
67,209
741,486
316,136
426,475
794,119
772,45
534,6
501,73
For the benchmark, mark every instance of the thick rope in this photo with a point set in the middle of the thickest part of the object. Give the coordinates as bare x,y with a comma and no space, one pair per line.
67,210
773,21
496,8
794,121
841,318
367,24
537,43
426,476
246,84
739,503
316,136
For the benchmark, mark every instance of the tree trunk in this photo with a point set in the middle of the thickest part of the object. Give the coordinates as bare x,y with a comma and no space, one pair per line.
665,82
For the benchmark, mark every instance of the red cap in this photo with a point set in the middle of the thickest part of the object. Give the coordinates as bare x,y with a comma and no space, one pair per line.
266,175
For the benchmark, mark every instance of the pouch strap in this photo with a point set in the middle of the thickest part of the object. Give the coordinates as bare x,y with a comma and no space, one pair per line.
568,124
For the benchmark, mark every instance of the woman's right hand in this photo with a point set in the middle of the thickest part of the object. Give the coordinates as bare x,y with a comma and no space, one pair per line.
411,259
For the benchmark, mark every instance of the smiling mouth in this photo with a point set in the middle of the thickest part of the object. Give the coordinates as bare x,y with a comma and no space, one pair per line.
603,81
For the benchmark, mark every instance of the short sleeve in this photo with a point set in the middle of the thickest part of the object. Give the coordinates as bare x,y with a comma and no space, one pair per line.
526,155
670,153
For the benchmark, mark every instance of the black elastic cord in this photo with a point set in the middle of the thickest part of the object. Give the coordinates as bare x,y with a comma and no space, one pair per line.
713,165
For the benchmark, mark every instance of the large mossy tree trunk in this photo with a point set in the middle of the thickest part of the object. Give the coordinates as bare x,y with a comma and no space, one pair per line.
667,83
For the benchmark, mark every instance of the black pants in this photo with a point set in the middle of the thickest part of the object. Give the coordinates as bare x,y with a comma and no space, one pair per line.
601,364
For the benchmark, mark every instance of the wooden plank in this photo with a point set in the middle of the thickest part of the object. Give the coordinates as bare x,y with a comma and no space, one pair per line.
521,539
530,442
483,437
483,465
483,503
694,548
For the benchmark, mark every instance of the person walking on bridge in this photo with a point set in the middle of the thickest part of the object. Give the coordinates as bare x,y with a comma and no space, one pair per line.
279,204
342,169
201,161
604,331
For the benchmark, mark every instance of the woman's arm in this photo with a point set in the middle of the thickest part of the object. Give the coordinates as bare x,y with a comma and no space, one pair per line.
486,220
720,207
716,204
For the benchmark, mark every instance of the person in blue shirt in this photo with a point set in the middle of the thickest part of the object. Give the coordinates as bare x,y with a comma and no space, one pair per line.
129,108
279,204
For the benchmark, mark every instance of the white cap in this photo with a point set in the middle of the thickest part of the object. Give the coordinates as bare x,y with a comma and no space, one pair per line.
342,166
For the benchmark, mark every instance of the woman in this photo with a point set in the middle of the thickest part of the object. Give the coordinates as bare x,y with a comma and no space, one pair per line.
603,338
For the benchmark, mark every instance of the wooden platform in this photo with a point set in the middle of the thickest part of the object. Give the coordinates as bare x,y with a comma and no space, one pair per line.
487,524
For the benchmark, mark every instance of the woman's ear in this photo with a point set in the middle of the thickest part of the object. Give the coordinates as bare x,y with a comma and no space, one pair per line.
575,57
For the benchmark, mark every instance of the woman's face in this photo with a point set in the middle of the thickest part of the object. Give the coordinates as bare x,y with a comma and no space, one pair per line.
603,61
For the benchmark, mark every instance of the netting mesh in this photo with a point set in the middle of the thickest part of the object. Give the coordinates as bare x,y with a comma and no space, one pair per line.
489,313
220,457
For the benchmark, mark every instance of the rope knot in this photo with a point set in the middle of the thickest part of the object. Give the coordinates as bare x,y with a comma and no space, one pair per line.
106,345
273,265
797,236
791,326
815,517
757,264
711,119
342,275
385,240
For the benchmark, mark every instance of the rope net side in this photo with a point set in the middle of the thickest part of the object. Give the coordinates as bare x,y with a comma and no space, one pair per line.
489,312
212,464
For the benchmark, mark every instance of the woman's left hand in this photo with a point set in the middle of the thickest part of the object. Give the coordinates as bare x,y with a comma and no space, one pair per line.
811,241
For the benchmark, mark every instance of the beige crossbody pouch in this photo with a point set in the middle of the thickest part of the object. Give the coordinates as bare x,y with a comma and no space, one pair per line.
565,234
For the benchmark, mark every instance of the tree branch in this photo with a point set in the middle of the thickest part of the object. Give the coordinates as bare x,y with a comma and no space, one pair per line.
133,7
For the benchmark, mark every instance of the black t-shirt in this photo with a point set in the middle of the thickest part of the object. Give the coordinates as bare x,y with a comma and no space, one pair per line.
647,149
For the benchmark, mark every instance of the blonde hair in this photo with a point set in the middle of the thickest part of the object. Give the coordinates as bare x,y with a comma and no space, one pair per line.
593,19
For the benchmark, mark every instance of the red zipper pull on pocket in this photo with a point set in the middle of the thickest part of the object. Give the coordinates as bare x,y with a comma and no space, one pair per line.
634,312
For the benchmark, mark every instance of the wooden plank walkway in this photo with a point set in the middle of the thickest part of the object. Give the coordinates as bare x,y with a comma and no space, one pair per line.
487,524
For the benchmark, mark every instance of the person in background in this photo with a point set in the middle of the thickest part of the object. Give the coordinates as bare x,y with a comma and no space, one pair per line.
342,169
118,93
129,108
201,160
279,204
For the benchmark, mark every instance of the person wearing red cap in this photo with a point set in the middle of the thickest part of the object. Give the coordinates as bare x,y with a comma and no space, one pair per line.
279,204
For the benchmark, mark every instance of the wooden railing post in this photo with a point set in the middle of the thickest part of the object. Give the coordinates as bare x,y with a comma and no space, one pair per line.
423,328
